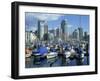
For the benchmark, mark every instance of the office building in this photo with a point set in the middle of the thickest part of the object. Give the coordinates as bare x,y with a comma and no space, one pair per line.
64,30
42,29
80,33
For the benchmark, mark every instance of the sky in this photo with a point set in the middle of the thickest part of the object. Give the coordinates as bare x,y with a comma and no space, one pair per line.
54,21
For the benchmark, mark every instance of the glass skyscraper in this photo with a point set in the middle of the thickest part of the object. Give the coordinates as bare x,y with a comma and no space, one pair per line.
42,29
64,29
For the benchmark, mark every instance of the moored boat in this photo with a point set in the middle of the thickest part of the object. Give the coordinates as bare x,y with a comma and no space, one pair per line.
28,52
52,55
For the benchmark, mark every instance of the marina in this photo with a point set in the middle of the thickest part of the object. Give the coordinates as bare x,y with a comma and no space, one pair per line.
56,57
55,43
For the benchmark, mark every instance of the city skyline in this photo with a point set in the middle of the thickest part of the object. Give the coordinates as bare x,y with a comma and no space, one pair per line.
57,37
54,21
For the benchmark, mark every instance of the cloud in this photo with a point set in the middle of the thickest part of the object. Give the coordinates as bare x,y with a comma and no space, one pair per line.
31,19
31,28
42,16
70,26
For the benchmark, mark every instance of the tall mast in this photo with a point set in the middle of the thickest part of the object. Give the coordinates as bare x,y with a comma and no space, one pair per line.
80,21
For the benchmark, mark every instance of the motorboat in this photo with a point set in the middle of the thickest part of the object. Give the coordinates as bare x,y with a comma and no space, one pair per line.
67,54
52,55
28,52
70,53
73,53
52,60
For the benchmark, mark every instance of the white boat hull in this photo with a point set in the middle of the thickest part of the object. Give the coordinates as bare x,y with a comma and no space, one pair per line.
52,55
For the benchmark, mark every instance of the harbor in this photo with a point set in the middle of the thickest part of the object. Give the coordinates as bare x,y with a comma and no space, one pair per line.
57,56
56,43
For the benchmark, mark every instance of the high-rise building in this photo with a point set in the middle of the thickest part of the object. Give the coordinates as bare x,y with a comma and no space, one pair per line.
57,32
86,36
42,29
30,38
51,36
80,33
45,37
75,34
27,37
53,31
45,28
64,29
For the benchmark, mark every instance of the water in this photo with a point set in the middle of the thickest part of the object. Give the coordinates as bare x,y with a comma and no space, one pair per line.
58,61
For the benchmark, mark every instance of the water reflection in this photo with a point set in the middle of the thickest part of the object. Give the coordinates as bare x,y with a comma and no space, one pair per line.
37,61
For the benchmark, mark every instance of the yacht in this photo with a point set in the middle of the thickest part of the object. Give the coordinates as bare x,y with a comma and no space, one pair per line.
52,55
